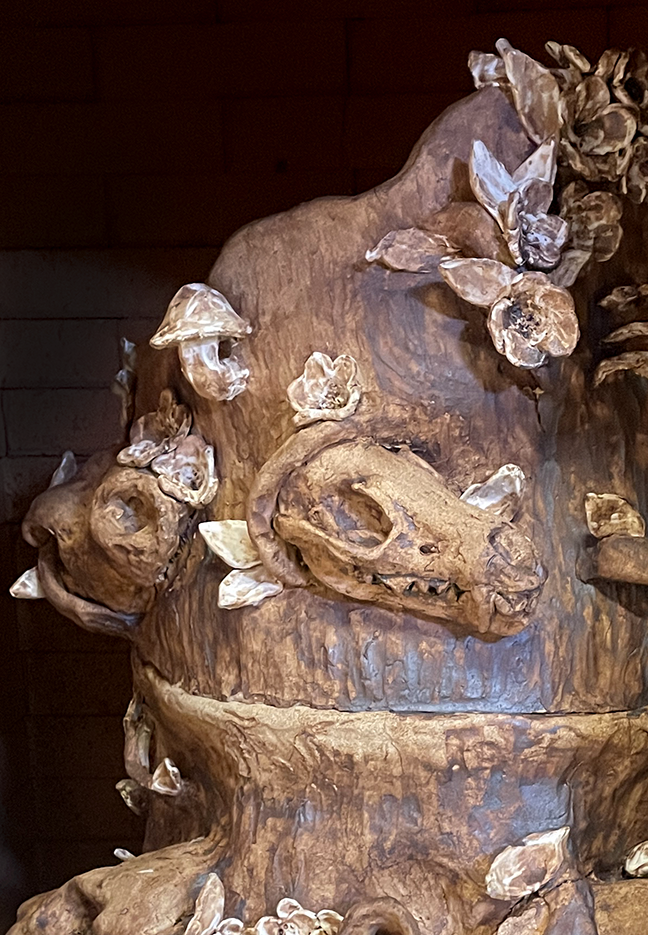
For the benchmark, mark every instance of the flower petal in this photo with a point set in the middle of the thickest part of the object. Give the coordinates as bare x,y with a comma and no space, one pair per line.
500,494
411,250
27,586
535,92
209,907
618,127
478,281
571,263
487,69
247,588
230,540
634,361
591,97
541,164
636,864
230,926
521,870
287,905
636,329
608,515
489,179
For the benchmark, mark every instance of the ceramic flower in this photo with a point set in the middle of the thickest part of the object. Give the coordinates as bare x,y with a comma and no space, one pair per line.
519,202
609,514
599,122
533,88
327,389
187,472
594,229
635,181
529,319
292,919
156,432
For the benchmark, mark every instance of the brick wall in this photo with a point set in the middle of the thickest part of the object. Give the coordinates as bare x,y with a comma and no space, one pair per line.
136,136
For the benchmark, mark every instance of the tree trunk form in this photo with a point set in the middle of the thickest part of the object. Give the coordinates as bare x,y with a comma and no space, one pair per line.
430,681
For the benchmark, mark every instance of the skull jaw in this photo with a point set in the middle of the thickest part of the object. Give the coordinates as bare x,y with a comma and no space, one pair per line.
480,611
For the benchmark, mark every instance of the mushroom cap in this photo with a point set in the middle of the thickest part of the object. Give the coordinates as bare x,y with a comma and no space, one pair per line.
196,313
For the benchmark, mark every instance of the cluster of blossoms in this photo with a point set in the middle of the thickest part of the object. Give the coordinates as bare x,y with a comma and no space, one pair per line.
594,119
604,116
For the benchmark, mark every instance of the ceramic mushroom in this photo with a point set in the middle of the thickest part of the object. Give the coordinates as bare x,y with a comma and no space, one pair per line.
204,327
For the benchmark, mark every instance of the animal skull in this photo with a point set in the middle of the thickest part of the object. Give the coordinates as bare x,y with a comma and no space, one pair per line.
381,525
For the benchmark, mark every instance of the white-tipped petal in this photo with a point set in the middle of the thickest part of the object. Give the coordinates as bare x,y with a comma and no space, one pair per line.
247,588
230,540
166,780
209,907
478,281
523,869
329,921
541,164
267,925
28,586
500,494
230,927
636,864
489,180
608,515
411,250
122,854
286,906
65,471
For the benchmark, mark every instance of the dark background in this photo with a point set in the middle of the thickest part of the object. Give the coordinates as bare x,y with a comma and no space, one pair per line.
135,137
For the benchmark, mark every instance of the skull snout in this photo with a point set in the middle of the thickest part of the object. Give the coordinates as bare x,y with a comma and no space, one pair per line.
380,525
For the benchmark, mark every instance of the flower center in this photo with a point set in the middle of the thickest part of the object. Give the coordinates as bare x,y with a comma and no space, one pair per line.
520,319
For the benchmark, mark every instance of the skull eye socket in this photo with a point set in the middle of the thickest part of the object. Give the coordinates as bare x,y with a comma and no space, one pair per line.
354,517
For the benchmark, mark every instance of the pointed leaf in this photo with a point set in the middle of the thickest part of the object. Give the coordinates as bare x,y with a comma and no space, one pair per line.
247,588
65,471
636,329
230,540
411,250
28,586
